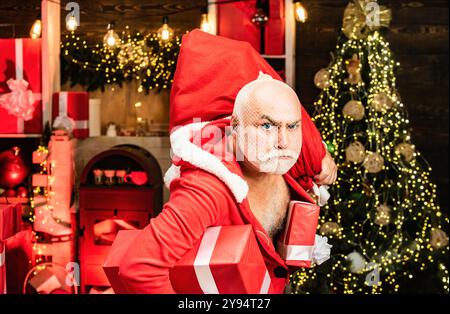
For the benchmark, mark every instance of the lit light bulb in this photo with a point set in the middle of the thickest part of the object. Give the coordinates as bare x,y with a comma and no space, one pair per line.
204,25
36,29
165,32
300,12
111,38
71,23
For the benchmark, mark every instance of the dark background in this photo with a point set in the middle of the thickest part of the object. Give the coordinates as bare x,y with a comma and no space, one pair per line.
418,36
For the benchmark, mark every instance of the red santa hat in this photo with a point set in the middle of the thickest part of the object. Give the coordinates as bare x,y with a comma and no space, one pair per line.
210,72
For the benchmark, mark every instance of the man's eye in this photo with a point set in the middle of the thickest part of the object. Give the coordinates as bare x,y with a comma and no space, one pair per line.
266,126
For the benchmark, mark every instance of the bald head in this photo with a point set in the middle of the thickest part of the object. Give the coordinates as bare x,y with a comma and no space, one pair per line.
267,117
265,94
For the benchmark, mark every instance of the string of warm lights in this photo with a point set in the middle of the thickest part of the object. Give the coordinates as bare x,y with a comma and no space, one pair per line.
384,220
144,57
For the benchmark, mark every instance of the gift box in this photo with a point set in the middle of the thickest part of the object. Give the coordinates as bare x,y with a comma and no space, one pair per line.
20,74
19,257
10,220
75,106
234,21
225,260
296,243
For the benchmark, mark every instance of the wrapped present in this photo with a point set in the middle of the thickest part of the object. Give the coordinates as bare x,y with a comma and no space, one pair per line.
2,268
225,260
10,220
71,111
20,86
299,245
19,257
234,21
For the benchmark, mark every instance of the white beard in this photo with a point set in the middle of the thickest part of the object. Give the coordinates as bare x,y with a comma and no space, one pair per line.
267,162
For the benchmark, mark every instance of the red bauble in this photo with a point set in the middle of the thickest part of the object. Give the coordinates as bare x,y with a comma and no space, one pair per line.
9,193
22,191
13,168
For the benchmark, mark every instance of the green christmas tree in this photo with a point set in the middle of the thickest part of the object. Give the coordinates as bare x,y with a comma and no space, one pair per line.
388,233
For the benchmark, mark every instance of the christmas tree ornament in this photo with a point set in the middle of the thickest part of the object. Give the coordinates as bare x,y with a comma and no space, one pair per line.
373,162
353,67
353,109
322,78
330,228
383,215
330,147
438,239
360,19
380,102
22,191
355,152
357,262
13,168
406,150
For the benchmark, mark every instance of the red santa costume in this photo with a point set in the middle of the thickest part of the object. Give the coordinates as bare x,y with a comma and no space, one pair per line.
206,184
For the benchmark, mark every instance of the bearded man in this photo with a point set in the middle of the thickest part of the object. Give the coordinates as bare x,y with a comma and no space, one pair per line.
254,150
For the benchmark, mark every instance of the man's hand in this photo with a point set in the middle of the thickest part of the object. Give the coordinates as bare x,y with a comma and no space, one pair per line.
328,174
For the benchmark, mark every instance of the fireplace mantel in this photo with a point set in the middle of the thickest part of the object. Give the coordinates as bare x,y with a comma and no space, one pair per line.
87,148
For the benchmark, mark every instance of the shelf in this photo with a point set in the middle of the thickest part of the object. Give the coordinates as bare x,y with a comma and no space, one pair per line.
274,56
20,135
13,200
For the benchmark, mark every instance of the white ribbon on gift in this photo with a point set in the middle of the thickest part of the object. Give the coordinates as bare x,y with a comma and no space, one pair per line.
203,259
318,253
322,193
18,44
62,114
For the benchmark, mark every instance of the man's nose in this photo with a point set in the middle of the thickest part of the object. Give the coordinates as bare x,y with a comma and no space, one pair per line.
282,138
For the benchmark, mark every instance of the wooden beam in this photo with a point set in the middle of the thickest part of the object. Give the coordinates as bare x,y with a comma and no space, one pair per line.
51,38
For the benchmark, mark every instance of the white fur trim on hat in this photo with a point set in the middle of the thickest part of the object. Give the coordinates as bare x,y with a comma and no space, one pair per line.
183,148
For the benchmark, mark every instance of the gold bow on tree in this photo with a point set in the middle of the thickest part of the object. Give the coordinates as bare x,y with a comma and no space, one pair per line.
364,16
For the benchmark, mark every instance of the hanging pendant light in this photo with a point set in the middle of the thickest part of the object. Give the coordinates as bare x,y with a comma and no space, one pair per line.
301,14
36,28
71,23
111,39
204,23
165,33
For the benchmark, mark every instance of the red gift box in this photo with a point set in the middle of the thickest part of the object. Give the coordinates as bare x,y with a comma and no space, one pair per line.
296,243
10,220
235,21
225,260
74,105
21,59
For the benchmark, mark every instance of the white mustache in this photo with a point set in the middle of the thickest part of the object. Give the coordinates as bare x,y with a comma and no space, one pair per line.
277,154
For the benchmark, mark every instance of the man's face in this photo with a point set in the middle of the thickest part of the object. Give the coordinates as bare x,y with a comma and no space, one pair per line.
269,132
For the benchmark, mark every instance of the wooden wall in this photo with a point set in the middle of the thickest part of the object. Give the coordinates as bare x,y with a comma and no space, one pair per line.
419,39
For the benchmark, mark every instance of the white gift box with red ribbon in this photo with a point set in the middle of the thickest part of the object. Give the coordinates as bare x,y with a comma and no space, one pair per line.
73,106
299,245
20,66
